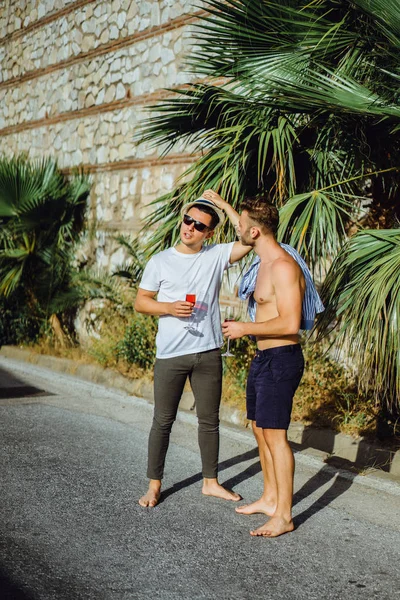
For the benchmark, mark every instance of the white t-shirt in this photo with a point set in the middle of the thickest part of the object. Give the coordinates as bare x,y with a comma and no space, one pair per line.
173,275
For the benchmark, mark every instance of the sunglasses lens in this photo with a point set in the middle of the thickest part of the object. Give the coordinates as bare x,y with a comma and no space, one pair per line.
197,225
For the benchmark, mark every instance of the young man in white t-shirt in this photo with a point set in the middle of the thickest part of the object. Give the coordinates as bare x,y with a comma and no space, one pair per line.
189,336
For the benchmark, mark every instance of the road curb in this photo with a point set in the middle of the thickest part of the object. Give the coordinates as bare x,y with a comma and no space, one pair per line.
334,448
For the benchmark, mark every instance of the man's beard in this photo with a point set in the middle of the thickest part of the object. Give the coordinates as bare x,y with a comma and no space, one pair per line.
246,239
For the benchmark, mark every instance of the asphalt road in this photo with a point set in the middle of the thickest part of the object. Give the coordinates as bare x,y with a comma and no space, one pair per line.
73,460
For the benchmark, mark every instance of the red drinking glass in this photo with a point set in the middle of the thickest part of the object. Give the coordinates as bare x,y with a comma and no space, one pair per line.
191,298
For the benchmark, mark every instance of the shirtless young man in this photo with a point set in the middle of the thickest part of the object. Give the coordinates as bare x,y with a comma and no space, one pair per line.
278,365
189,337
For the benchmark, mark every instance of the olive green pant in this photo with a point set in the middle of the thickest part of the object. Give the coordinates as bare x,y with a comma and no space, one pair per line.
204,370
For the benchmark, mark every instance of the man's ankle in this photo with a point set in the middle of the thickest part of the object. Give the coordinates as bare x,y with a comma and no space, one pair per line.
272,500
285,515
155,485
210,481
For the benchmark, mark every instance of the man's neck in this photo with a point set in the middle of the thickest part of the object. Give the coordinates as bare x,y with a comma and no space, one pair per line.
267,248
183,249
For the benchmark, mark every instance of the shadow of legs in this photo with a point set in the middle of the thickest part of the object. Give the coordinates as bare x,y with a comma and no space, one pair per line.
339,486
230,462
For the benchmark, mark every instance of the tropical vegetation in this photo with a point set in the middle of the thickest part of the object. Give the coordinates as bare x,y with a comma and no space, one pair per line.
299,102
42,216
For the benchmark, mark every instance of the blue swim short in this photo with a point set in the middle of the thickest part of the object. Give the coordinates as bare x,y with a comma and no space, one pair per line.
274,377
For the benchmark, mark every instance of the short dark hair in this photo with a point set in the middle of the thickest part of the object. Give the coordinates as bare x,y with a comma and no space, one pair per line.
209,211
263,212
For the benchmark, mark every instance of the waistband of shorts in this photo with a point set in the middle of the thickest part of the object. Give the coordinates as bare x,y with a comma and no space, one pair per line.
289,349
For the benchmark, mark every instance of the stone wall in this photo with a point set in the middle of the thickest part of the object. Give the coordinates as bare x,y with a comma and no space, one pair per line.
76,79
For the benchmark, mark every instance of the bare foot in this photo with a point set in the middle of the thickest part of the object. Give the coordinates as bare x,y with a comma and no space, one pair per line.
150,499
259,506
274,527
213,488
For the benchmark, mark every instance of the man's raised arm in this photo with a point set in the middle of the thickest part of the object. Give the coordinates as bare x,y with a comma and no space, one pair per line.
238,250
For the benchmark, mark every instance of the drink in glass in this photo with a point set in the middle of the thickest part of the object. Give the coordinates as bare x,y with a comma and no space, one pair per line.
229,316
190,298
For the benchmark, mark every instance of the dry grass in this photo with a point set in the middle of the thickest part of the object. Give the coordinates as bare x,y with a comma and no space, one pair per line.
328,397
97,348
92,354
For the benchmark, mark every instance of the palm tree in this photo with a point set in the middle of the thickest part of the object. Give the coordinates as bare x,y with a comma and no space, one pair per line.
308,113
42,218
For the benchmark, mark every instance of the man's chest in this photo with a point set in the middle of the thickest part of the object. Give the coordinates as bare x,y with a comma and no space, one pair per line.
264,292
182,273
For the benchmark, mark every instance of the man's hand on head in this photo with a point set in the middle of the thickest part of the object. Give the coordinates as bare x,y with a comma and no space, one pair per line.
216,198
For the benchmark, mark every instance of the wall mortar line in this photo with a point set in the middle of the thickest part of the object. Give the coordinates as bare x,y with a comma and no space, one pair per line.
135,163
84,112
45,20
142,100
104,49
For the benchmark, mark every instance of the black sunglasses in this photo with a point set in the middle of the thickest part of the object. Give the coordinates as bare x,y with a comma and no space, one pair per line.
198,225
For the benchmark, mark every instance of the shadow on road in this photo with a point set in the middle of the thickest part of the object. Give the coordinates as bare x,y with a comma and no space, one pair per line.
250,471
10,591
230,462
339,485
13,387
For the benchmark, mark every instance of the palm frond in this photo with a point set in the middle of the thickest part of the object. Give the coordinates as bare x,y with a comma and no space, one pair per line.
243,38
10,279
328,91
362,296
315,224
386,15
42,213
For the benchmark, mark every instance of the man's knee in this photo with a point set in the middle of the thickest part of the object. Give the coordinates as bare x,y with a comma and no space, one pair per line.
163,425
208,423
275,437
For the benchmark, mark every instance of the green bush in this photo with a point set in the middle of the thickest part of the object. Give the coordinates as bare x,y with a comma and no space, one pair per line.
17,324
138,344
